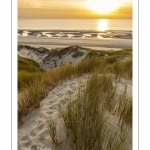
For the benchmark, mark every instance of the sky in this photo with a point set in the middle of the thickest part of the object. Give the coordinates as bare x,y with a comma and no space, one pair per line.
74,9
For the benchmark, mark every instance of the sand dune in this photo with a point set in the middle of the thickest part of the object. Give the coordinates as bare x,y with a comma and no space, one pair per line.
48,60
33,133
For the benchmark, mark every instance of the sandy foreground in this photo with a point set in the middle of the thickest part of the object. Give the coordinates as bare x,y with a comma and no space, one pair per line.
94,43
32,134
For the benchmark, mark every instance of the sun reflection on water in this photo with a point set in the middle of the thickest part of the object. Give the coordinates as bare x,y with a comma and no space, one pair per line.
102,24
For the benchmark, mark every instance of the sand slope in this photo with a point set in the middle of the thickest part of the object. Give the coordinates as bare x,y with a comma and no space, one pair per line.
33,133
49,60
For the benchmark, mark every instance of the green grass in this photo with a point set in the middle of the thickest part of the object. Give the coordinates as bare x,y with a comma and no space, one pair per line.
28,71
26,78
37,82
122,69
121,53
93,53
51,128
28,65
85,117
125,109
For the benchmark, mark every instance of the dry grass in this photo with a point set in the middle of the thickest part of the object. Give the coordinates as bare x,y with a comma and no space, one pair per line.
85,118
51,128
37,84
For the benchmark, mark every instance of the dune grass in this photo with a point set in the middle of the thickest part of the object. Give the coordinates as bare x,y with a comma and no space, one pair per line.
122,69
26,78
34,84
51,128
86,117
28,65
81,118
28,71
124,109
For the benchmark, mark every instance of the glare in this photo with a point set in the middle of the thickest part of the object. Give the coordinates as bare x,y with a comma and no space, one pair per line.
104,6
102,24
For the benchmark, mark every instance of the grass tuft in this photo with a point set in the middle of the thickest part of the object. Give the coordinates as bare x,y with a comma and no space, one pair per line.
85,117
51,128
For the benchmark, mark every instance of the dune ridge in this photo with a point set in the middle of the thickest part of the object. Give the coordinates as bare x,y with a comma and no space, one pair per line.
49,59
33,133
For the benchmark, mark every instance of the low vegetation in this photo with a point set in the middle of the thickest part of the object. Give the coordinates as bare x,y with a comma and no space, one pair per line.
39,50
86,118
94,102
28,71
51,127
77,54
59,52
30,74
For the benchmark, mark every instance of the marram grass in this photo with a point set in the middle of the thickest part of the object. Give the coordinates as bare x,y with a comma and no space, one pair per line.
38,83
86,117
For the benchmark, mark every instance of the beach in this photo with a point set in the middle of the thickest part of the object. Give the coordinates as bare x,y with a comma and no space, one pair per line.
108,40
55,49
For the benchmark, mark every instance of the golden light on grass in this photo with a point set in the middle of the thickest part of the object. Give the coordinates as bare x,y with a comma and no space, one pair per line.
102,24
103,6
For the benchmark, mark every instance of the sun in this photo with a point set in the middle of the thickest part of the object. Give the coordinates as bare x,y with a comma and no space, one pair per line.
102,24
103,6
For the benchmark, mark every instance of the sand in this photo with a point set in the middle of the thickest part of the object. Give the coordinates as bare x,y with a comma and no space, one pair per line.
53,61
33,133
94,43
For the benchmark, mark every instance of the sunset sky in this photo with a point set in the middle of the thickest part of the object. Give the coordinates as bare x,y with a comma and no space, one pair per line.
74,9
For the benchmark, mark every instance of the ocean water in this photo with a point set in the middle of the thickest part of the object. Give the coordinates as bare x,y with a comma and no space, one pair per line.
75,24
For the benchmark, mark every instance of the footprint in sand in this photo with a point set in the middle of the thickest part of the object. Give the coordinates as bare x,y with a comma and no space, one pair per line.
49,112
52,101
53,107
26,144
41,140
33,133
70,91
25,138
62,102
34,147
59,95
41,126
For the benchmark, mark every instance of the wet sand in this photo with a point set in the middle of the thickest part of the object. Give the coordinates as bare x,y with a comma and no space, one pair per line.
107,40
100,44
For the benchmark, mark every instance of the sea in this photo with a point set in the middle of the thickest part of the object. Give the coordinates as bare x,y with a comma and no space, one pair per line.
75,24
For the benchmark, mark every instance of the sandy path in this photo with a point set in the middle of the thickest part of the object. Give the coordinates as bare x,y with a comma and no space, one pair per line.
97,44
33,133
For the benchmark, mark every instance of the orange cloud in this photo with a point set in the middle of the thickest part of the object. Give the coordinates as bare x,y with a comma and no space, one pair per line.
56,9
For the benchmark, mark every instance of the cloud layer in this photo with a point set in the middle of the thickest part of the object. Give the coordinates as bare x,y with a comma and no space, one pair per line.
44,9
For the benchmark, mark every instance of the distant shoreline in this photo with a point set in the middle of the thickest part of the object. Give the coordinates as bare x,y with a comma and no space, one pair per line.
94,43
102,40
